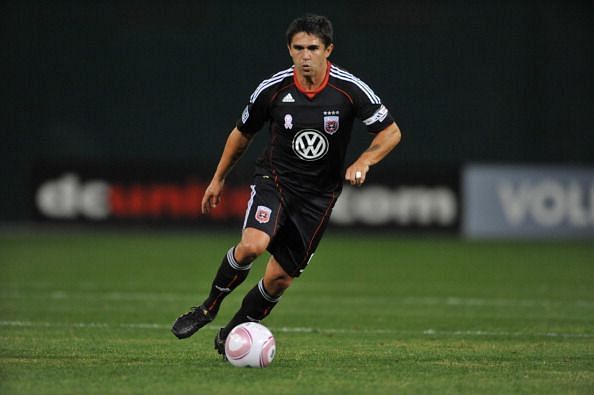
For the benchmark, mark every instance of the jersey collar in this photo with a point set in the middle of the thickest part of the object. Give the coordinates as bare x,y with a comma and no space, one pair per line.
312,93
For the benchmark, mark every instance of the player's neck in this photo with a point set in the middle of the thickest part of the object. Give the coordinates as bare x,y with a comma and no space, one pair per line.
311,86
313,82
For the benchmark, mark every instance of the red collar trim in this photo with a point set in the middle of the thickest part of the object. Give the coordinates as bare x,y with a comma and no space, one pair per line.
312,93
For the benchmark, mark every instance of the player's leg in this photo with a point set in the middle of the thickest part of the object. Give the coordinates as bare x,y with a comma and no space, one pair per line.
232,271
235,267
261,219
262,298
259,301
292,248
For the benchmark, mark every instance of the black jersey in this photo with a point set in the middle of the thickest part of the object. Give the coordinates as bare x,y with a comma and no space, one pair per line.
310,131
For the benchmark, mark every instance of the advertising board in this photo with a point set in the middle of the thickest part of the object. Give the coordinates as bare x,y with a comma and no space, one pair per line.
170,194
508,201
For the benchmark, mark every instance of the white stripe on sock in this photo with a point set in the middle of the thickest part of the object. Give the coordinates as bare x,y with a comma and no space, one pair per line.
265,294
233,263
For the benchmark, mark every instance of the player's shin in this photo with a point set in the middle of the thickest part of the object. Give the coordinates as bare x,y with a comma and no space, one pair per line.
256,306
229,276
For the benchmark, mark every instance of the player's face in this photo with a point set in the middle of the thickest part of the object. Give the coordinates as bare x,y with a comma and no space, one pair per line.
309,54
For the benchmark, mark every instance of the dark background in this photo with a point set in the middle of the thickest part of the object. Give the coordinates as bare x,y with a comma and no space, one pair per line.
164,81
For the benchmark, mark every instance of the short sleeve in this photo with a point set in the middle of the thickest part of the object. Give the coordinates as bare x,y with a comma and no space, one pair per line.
368,106
377,118
253,117
256,113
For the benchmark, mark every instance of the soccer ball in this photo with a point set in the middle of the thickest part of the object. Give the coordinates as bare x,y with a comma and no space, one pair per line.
250,345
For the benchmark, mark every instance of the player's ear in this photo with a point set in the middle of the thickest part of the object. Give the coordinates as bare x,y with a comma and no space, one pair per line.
329,50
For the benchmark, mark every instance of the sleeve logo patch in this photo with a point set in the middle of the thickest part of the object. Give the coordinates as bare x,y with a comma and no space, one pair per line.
378,116
246,114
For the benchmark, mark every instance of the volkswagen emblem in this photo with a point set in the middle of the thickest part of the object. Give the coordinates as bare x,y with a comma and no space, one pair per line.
310,144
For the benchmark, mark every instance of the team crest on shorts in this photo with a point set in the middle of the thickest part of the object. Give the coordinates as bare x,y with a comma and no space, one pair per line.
263,214
331,124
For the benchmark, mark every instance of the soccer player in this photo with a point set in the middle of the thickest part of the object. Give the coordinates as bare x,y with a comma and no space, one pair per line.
310,108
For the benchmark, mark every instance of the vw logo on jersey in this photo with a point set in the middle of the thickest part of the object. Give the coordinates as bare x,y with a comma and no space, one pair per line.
310,144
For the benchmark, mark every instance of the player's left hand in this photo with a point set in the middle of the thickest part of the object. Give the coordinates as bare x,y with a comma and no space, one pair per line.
356,174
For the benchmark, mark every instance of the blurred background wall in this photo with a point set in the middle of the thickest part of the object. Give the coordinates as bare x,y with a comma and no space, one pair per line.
162,82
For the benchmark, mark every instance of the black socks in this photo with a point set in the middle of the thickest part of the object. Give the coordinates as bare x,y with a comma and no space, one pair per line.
256,305
229,276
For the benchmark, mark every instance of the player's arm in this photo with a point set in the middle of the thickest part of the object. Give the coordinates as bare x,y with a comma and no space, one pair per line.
381,145
236,145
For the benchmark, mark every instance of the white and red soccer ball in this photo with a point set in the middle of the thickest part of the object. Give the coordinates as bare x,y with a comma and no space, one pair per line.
250,345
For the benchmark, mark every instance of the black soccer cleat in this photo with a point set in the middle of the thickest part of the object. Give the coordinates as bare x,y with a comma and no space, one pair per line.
187,324
219,344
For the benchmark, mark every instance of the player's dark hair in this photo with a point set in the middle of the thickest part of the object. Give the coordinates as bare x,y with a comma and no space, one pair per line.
317,25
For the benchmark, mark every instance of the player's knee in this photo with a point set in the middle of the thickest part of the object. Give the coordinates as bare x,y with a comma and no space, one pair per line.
248,250
282,282
253,244
277,284
276,279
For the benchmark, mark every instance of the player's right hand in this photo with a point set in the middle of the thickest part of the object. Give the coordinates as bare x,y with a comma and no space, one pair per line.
212,196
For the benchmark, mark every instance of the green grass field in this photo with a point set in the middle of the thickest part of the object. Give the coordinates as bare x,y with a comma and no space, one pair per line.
90,314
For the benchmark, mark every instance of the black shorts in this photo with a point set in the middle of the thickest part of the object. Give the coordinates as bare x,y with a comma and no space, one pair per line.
294,223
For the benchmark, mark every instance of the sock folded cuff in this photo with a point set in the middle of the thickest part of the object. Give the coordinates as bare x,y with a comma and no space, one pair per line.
265,294
233,263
